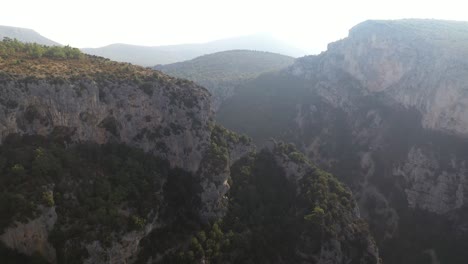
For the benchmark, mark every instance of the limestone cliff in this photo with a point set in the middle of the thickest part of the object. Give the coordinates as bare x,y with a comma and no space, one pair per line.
164,118
88,99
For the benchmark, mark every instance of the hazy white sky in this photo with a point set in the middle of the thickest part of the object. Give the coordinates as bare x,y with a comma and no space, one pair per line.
308,24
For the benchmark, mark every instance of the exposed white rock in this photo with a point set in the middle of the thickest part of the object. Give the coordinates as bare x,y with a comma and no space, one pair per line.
430,187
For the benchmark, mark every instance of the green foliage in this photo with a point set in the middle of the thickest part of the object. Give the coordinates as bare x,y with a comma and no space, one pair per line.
17,169
218,154
48,198
261,212
9,47
316,216
269,217
330,200
221,141
208,248
100,192
137,222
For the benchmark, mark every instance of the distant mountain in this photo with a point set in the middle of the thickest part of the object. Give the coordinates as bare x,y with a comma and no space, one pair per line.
25,35
222,72
149,56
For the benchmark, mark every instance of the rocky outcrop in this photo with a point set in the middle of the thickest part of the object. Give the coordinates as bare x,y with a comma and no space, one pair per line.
123,251
32,237
433,185
226,148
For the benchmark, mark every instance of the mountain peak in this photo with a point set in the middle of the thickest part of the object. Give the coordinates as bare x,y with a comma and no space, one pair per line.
25,35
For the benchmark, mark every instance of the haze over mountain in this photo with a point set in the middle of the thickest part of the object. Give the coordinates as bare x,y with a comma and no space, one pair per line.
386,110
150,56
25,35
223,72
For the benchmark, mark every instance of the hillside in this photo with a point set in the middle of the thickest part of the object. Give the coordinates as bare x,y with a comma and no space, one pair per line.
106,162
150,56
25,35
224,72
385,110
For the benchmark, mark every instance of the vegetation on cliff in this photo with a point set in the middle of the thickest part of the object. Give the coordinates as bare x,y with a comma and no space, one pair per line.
272,219
32,60
99,192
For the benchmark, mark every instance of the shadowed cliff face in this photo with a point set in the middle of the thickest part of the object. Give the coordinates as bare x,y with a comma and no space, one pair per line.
386,111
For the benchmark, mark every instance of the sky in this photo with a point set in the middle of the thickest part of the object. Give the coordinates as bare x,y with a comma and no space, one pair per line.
306,24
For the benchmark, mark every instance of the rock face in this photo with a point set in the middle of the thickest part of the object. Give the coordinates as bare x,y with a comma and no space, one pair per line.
433,188
415,63
121,252
169,120
226,148
385,110
32,237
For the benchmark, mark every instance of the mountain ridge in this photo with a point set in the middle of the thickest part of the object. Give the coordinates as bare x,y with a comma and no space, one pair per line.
223,72
153,55
25,35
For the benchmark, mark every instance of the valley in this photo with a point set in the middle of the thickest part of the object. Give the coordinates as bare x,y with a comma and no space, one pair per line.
355,155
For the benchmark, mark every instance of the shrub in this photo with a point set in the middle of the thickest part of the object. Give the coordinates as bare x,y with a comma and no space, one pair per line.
48,198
